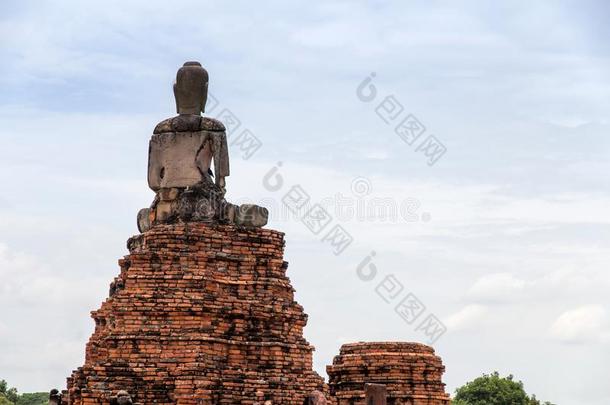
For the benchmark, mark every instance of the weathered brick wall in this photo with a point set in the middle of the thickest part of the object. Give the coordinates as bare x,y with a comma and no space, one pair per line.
411,372
200,314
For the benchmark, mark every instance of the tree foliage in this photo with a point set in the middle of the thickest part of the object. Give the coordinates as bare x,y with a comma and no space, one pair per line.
5,401
491,389
10,396
35,398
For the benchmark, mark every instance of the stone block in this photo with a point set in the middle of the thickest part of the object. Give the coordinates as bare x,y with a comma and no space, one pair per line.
251,215
165,210
144,219
168,194
375,394
229,212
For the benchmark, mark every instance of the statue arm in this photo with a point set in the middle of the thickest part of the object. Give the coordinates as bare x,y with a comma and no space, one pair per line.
221,157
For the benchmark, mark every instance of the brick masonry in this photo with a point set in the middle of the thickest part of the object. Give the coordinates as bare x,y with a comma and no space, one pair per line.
200,314
411,372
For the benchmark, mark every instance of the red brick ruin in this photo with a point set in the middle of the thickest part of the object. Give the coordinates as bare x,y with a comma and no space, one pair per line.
201,314
410,372
202,311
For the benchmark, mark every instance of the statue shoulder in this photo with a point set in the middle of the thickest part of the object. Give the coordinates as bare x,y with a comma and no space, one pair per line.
211,124
189,123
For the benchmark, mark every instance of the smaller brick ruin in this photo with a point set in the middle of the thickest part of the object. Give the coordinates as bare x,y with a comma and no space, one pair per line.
411,372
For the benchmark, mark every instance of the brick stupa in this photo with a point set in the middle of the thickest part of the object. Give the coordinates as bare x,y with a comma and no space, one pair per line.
202,311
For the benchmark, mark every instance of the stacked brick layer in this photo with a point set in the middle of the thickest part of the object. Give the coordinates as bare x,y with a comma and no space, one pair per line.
411,372
200,314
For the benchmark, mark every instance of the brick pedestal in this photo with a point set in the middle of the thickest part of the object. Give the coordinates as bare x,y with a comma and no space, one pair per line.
200,314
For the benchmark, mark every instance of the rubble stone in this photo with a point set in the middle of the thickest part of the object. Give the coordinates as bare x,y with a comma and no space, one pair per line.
315,398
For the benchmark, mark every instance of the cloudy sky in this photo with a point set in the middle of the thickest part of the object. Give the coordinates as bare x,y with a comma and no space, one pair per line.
505,239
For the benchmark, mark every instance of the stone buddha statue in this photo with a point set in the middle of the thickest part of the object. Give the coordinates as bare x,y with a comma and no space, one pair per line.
180,156
183,147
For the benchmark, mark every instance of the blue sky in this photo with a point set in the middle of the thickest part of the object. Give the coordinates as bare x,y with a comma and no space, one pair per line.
513,259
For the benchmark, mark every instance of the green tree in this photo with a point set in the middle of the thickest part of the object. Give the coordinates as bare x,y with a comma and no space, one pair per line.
5,401
9,396
491,389
36,398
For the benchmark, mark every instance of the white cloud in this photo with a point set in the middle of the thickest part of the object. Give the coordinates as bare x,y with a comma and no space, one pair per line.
499,287
564,280
586,324
45,317
15,269
26,282
466,317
